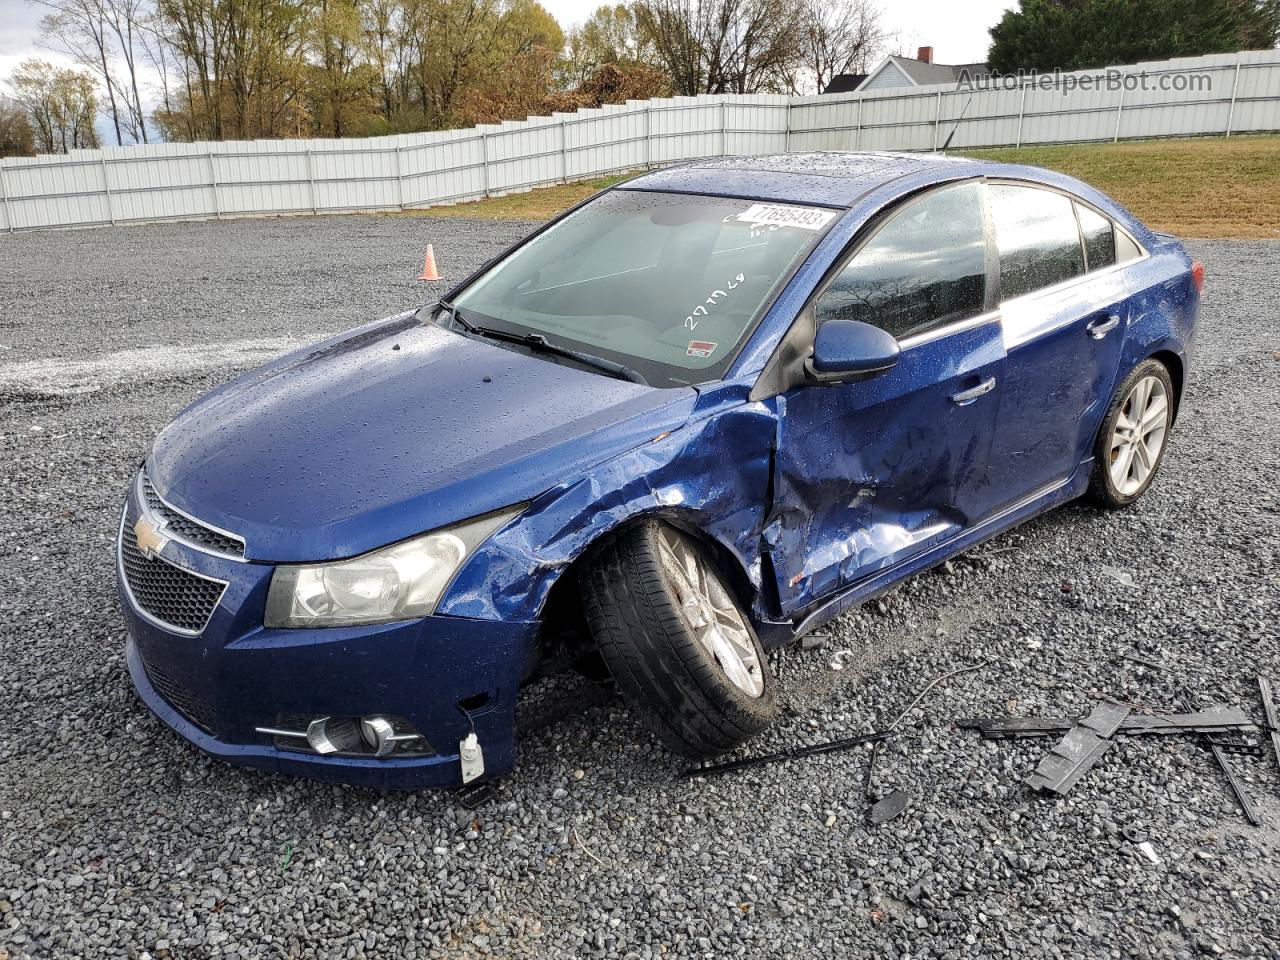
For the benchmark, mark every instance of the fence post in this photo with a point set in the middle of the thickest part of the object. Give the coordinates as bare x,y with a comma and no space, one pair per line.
484,160
857,133
564,151
1022,107
4,193
786,141
213,182
937,118
1235,85
648,134
399,180
724,127
311,179
1119,112
106,188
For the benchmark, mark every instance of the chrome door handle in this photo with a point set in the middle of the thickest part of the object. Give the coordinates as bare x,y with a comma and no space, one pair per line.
1102,326
966,397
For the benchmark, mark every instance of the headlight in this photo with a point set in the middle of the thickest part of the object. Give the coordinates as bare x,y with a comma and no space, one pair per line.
401,582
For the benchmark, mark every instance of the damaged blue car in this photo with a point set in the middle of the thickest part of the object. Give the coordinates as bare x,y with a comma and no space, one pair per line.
686,422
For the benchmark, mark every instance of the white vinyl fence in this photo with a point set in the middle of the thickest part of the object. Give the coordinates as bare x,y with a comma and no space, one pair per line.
1216,95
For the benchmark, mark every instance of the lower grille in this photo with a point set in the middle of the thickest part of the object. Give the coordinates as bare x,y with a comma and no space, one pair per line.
192,706
177,598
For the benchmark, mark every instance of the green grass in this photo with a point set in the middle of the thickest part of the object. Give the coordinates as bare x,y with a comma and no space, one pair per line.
540,204
1197,187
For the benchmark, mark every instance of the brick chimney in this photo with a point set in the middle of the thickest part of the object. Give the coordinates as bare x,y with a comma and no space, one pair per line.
925,54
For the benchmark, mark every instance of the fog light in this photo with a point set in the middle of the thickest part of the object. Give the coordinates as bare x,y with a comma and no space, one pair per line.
332,735
376,735
377,732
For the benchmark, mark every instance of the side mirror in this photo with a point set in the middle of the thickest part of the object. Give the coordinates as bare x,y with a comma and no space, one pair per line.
847,350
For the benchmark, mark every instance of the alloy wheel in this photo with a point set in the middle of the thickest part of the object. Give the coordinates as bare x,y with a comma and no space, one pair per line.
1138,435
711,613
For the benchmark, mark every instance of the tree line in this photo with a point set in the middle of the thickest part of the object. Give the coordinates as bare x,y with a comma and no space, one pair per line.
242,69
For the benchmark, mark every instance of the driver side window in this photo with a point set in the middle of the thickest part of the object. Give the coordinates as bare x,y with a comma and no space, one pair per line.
922,270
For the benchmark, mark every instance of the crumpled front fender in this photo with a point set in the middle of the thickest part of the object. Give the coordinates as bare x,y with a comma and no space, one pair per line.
711,474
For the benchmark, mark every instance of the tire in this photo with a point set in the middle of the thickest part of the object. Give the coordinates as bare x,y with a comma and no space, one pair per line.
647,629
1123,469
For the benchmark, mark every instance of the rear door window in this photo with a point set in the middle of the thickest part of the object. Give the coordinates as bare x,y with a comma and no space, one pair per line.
923,269
1099,235
1037,238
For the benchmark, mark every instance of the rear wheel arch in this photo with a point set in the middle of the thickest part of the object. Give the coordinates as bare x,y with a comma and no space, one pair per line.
1173,363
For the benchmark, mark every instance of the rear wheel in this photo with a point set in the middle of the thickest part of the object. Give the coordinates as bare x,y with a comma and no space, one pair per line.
1134,435
676,641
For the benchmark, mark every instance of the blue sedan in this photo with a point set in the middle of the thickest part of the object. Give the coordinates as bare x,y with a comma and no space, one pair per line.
685,423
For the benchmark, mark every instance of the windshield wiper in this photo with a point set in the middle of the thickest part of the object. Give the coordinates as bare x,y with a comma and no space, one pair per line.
536,341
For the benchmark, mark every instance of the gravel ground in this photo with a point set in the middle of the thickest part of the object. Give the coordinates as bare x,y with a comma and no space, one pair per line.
117,840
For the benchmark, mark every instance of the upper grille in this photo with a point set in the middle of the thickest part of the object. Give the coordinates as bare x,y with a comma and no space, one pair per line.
174,596
185,528
191,705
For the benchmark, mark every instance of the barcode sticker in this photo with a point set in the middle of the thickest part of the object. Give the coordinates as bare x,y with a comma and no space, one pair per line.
777,215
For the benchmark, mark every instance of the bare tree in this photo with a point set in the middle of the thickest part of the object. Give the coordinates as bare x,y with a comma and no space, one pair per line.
725,46
840,36
79,28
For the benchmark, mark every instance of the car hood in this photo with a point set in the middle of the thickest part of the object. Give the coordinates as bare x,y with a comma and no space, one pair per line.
391,430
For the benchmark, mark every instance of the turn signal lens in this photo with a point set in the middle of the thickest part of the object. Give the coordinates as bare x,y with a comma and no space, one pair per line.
1197,276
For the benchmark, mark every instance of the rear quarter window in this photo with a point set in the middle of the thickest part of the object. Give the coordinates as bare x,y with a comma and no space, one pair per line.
1036,236
1099,235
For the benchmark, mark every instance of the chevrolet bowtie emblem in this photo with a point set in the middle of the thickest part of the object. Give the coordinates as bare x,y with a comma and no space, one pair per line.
151,538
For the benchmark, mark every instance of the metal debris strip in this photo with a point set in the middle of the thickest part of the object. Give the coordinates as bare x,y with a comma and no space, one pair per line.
1269,708
1216,719
829,746
1064,765
791,753
1237,788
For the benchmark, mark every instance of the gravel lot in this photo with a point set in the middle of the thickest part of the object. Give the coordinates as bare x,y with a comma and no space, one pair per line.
117,840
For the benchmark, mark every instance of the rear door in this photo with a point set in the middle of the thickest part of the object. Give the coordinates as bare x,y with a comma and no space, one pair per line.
1064,313
868,474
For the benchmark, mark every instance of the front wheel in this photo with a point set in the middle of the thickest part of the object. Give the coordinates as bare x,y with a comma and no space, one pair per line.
1134,435
676,642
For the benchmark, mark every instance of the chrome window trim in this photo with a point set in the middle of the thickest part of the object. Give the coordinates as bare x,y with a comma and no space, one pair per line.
174,535
1070,282
133,601
939,333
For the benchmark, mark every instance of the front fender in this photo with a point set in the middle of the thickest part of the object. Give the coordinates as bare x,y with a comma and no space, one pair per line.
712,475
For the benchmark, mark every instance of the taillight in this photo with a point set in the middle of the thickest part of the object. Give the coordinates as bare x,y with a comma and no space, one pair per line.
1197,275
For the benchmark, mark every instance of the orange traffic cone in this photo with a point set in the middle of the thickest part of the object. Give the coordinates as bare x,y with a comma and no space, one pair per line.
429,271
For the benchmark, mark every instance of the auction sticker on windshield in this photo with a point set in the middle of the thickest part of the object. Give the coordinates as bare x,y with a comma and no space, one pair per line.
778,215
701,348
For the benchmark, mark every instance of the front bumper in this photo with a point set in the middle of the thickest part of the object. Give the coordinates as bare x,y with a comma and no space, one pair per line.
216,687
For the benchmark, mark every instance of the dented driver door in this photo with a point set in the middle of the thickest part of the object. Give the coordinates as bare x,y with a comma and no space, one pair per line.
868,474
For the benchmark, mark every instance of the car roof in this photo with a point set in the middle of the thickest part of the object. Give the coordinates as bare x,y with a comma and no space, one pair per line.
825,179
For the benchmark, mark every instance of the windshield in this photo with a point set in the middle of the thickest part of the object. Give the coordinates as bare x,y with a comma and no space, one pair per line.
668,284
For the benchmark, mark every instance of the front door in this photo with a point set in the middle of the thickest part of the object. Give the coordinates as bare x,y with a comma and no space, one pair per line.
869,473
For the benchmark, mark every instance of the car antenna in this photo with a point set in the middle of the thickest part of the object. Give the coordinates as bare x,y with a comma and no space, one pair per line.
965,109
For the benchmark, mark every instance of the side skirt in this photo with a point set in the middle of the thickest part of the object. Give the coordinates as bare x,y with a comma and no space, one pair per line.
780,633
